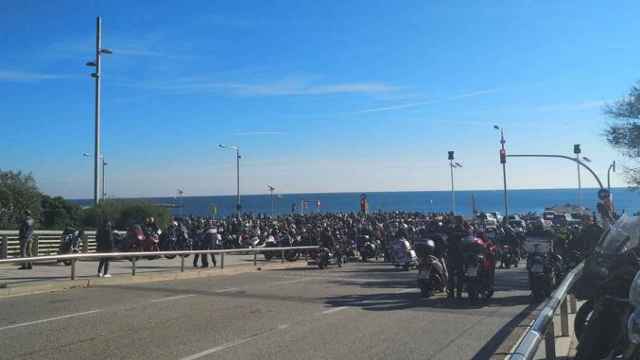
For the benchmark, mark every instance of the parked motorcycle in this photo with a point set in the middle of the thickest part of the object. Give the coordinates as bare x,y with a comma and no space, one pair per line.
541,274
174,239
478,269
605,283
402,255
369,249
282,241
70,244
324,257
432,272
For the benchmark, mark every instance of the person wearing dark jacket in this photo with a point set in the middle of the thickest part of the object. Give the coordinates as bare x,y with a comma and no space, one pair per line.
26,238
104,238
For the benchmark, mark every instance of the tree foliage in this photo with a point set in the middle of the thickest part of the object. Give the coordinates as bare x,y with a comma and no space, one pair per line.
124,213
623,133
18,192
56,213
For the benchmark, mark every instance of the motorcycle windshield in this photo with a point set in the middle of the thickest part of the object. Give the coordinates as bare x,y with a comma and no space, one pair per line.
622,236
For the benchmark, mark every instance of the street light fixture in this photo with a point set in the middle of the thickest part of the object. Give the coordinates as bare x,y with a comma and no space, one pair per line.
577,151
237,150
96,75
503,161
453,165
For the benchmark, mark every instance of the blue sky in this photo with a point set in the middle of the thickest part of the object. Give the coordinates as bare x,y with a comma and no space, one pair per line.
321,96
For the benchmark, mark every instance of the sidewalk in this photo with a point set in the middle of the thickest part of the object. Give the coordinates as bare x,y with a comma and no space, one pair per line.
55,276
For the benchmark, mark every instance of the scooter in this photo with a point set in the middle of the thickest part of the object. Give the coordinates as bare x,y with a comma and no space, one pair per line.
369,249
403,256
478,278
325,257
432,272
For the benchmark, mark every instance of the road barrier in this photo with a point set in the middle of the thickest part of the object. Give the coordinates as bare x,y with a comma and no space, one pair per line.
543,326
45,242
150,255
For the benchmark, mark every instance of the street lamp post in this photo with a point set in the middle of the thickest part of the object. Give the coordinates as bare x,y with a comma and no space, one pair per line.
611,167
96,75
453,165
577,151
271,190
237,150
181,202
503,161
102,185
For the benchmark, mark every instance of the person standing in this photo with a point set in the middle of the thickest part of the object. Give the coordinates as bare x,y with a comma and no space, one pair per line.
26,238
104,238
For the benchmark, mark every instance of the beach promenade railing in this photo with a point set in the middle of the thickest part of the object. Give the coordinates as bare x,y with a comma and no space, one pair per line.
543,326
134,257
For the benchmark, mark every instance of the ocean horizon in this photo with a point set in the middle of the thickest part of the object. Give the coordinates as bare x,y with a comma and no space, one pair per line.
520,201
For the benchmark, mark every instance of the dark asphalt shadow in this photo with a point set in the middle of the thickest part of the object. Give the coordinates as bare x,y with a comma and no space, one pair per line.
493,345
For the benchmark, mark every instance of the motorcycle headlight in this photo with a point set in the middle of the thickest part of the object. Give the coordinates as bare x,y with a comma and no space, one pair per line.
634,291
633,327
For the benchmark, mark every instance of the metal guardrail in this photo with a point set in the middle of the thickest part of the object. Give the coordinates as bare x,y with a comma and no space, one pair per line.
45,242
136,256
543,326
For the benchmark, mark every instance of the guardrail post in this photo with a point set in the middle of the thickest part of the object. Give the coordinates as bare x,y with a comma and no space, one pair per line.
550,342
85,242
133,267
4,250
73,269
564,318
573,306
282,256
255,258
181,263
221,261
35,247
306,255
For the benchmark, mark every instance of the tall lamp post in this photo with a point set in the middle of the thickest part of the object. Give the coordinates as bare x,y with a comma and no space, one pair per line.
271,190
611,167
237,150
503,161
102,185
181,202
577,151
96,75
453,165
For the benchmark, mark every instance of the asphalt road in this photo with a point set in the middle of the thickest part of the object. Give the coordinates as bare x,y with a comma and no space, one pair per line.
362,311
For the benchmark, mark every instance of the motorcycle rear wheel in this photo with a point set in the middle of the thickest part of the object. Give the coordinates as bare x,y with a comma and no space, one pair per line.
582,318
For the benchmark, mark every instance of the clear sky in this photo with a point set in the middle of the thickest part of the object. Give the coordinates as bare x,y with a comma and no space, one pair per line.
321,96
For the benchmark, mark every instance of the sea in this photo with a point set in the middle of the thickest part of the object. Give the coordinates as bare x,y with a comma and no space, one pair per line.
520,201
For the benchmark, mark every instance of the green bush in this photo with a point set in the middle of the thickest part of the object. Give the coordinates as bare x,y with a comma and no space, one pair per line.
124,213
56,213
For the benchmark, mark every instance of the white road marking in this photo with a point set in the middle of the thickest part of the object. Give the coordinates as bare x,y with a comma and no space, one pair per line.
405,291
232,344
178,297
217,348
49,319
331,311
290,281
227,290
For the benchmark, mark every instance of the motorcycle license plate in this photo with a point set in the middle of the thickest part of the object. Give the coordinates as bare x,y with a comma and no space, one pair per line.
472,271
423,275
537,268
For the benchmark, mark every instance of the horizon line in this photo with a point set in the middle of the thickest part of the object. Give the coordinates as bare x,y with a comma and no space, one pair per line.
627,188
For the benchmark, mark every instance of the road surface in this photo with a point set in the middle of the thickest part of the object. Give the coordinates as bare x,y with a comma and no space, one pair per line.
362,311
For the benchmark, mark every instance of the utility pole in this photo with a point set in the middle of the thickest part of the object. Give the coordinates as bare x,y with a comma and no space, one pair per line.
97,153
503,161
577,151
453,165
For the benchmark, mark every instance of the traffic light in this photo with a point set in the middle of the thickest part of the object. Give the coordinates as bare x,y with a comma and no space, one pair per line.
576,149
450,155
503,156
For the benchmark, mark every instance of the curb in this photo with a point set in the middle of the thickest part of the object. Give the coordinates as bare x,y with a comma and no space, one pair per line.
7,292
